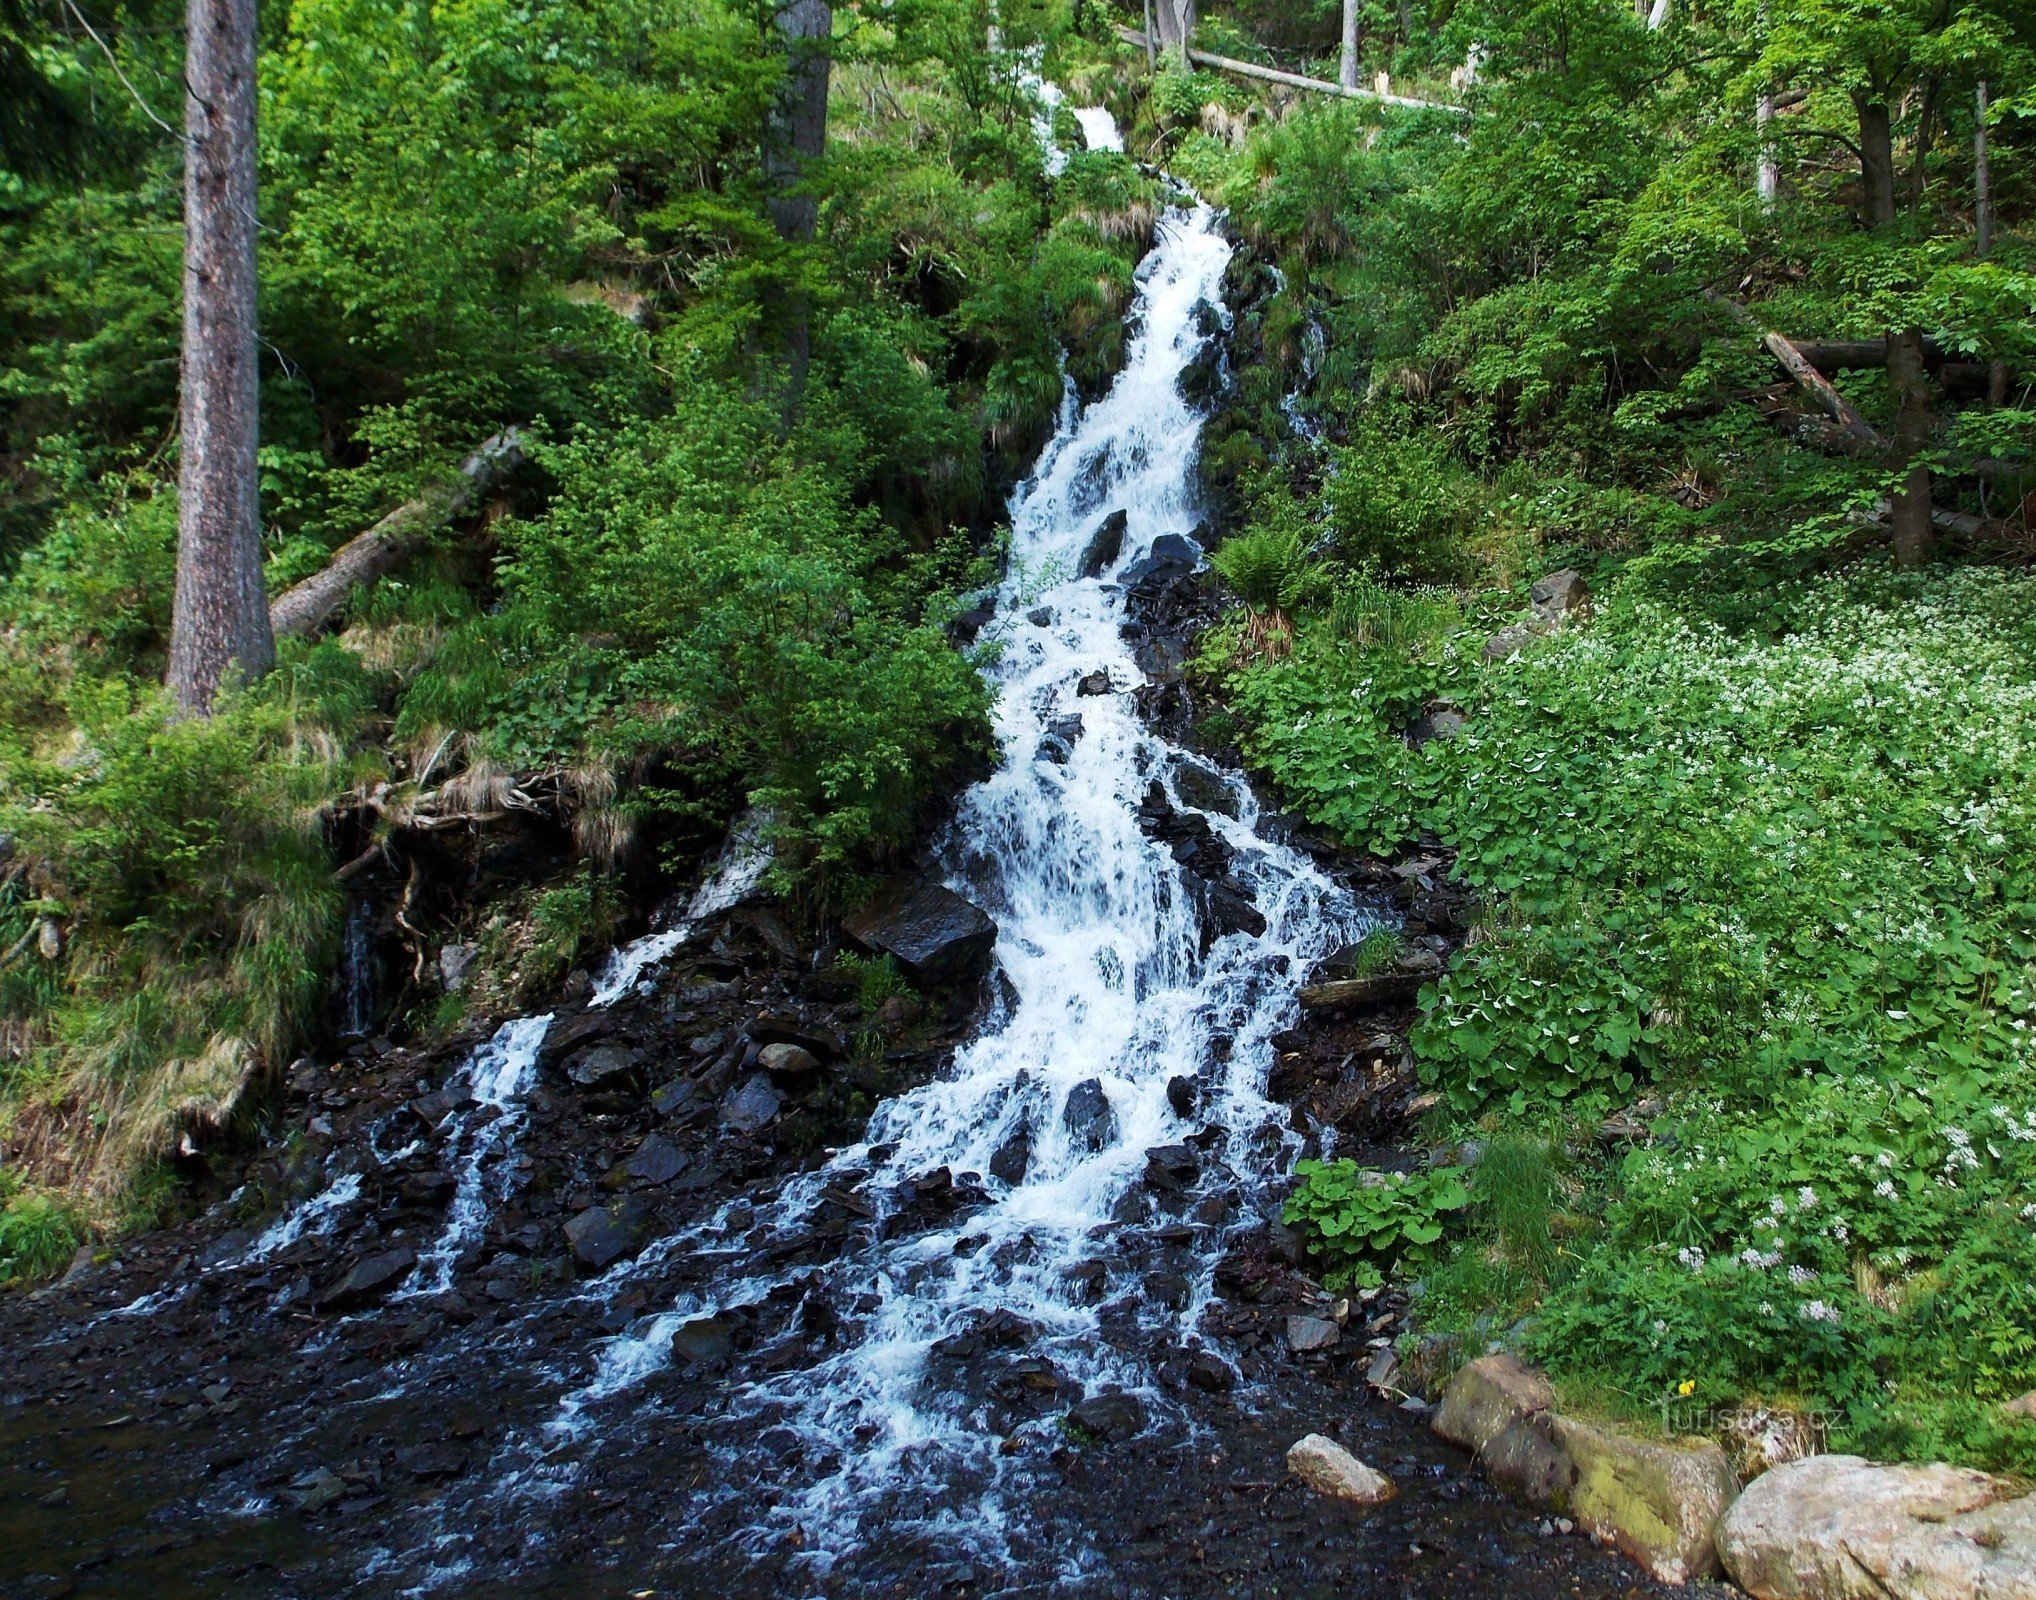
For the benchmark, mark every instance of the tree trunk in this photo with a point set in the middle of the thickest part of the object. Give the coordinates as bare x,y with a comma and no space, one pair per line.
1876,160
795,137
1906,375
1347,65
1982,177
220,624
796,134
1151,47
1911,384
1766,175
1176,28
306,607
1658,17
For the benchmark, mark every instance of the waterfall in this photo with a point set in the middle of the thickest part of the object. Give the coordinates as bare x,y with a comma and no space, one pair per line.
1113,990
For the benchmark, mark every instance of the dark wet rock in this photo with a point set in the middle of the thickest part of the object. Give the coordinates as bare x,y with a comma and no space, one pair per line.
1306,1334
1439,719
791,1066
1094,684
1224,907
703,1339
606,1066
753,1105
603,1235
654,1162
1058,743
927,927
428,1461
1172,1168
1560,597
1170,1289
316,1490
1110,1417
809,1033
677,1097
1104,546
1088,1117
1173,556
369,1279
1040,616
1210,1373
1204,788
1183,1094
968,624
565,1036
1013,1156
1087,1280
433,1109
996,1330
1163,658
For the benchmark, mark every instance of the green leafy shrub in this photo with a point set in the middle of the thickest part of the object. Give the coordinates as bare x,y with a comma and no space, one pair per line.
1355,1216
38,1236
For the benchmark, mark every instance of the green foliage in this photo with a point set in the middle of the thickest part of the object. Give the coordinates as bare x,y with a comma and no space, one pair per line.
1353,1216
877,980
38,1236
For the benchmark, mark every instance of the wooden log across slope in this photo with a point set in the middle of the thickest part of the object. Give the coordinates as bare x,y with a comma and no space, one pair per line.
1293,80
1833,404
306,607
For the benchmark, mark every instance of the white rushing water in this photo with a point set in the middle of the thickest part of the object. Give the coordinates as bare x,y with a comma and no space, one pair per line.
499,1075
745,857
1108,991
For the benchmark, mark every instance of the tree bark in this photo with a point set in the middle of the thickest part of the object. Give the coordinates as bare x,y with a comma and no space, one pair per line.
1907,377
1151,53
796,134
1176,28
1658,17
1347,63
1982,177
220,620
795,137
1911,383
1834,404
1766,175
306,607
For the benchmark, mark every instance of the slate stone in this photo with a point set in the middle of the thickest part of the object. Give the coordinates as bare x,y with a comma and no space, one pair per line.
931,931
603,1067
753,1105
1104,546
369,1279
603,1235
1090,1122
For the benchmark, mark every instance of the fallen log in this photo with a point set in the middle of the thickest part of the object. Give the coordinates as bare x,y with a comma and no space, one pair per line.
1353,994
1833,404
1293,80
306,607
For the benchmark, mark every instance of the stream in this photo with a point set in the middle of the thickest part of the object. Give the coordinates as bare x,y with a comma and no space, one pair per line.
1005,1375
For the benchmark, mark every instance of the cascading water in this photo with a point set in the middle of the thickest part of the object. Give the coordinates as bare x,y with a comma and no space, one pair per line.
1113,989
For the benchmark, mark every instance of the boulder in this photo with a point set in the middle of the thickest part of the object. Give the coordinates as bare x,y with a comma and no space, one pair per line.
1087,1116
602,1067
1094,684
603,1235
1560,597
1183,1094
968,624
1841,1528
1657,1500
703,1339
1210,1373
789,1065
782,1026
1312,1333
1058,743
753,1105
456,965
1173,555
653,1162
1509,641
1104,546
1327,1468
1110,1416
2022,1406
927,927
1204,788
1011,1158
369,1279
